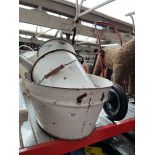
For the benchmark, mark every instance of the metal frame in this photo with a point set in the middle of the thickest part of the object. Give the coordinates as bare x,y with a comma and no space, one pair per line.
32,34
130,14
58,147
93,8
68,9
39,18
45,20
79,8
37,35
78,15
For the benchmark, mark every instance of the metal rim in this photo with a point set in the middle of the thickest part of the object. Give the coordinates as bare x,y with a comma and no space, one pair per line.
107,87
68,106
51,40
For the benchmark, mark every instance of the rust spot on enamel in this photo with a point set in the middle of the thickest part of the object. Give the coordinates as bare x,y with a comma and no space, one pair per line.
72,114
102,97
79,98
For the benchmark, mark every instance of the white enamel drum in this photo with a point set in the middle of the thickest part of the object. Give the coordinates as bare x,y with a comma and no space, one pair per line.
71,76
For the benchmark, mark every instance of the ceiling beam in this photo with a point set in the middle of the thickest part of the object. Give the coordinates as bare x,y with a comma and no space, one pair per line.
68,9
32,34
43,19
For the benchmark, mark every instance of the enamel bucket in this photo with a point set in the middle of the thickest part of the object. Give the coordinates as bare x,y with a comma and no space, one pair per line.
66,104
68,113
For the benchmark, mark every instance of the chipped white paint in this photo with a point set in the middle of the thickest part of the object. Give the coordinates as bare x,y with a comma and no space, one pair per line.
69,113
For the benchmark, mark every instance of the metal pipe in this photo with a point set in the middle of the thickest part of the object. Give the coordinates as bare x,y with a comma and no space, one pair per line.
133,22
43,32
130,13
80,7
94,8
76,14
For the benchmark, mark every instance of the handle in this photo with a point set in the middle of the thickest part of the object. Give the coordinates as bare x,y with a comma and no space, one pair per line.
101,23
82,58
54,71
74,34
56,35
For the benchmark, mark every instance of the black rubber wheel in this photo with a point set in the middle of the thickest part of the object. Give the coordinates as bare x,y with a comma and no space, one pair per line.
116,106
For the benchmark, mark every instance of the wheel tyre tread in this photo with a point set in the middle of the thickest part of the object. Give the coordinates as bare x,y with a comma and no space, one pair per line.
123,104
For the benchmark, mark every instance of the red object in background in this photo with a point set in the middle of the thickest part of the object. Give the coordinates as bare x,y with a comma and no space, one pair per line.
101,23
126,84
86,68
59,147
